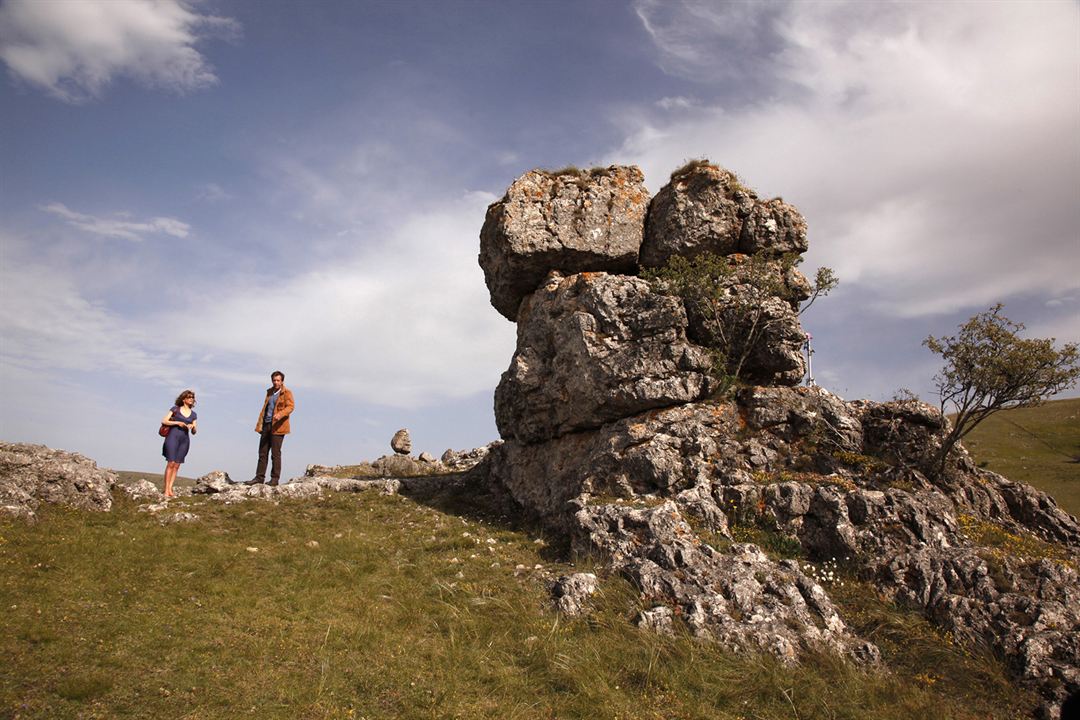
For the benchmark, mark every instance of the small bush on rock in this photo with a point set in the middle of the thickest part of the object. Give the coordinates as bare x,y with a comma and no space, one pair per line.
728,298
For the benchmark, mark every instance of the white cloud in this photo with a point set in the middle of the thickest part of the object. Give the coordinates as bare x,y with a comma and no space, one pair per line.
47,323
933,147
74,48
403,322
119,227
704,40
677,102
212,192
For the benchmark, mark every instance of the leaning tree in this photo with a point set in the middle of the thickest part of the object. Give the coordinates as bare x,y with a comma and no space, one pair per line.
988,367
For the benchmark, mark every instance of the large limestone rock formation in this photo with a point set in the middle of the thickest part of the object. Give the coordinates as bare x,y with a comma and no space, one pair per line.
34,474
611,441
592,348
571,221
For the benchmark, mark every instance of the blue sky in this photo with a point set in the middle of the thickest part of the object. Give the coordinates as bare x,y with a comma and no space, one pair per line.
193,194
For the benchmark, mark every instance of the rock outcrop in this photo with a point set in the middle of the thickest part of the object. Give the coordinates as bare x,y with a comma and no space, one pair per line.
571,221
592,348
611,440
34,474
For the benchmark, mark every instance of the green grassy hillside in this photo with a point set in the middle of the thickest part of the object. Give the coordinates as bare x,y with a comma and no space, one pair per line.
1037,445
369,606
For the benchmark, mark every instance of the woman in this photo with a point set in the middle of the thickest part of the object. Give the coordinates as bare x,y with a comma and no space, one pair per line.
181,419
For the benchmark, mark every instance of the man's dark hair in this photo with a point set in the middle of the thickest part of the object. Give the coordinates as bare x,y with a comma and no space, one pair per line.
276,373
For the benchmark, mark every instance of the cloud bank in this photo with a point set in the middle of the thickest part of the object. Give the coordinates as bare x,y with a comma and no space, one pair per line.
73,49
934,148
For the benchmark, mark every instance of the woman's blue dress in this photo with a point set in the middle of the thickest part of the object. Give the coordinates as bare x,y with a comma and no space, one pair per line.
177,441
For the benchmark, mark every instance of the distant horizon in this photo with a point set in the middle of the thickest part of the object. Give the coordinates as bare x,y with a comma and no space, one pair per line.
198,193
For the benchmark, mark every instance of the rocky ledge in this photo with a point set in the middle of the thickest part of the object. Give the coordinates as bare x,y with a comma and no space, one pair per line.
34,474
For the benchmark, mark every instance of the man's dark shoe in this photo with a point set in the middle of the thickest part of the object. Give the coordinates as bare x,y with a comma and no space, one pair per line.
273,482
254,481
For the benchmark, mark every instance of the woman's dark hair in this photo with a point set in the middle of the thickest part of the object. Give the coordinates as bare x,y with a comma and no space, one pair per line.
181,396
278,372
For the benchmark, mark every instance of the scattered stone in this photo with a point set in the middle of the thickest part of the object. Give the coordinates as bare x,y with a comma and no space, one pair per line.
213,482
180,517
141,490
659,619
571,221
401,443
572,592
426,457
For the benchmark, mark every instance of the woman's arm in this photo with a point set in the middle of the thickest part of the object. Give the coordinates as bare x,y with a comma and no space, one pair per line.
194,426
167,420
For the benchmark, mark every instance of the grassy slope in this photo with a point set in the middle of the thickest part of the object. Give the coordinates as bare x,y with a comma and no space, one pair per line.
365,606
1036,445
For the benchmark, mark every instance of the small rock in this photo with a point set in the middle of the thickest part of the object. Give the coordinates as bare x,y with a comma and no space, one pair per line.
213,482
571,592
180,517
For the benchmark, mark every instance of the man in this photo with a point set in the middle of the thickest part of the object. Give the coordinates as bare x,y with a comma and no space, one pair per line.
273,426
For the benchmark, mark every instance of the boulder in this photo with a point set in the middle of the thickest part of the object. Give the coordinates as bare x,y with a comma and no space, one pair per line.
213,482
34,474
401,443
773,227
571,593
141,490
592,348
571,221
707,209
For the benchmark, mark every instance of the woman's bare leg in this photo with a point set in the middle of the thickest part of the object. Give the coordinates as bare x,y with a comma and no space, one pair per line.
170,477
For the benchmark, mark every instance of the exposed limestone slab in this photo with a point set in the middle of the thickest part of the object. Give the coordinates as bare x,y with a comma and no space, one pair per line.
572,221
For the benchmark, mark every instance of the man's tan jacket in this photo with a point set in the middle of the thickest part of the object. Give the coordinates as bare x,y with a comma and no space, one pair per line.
285,406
